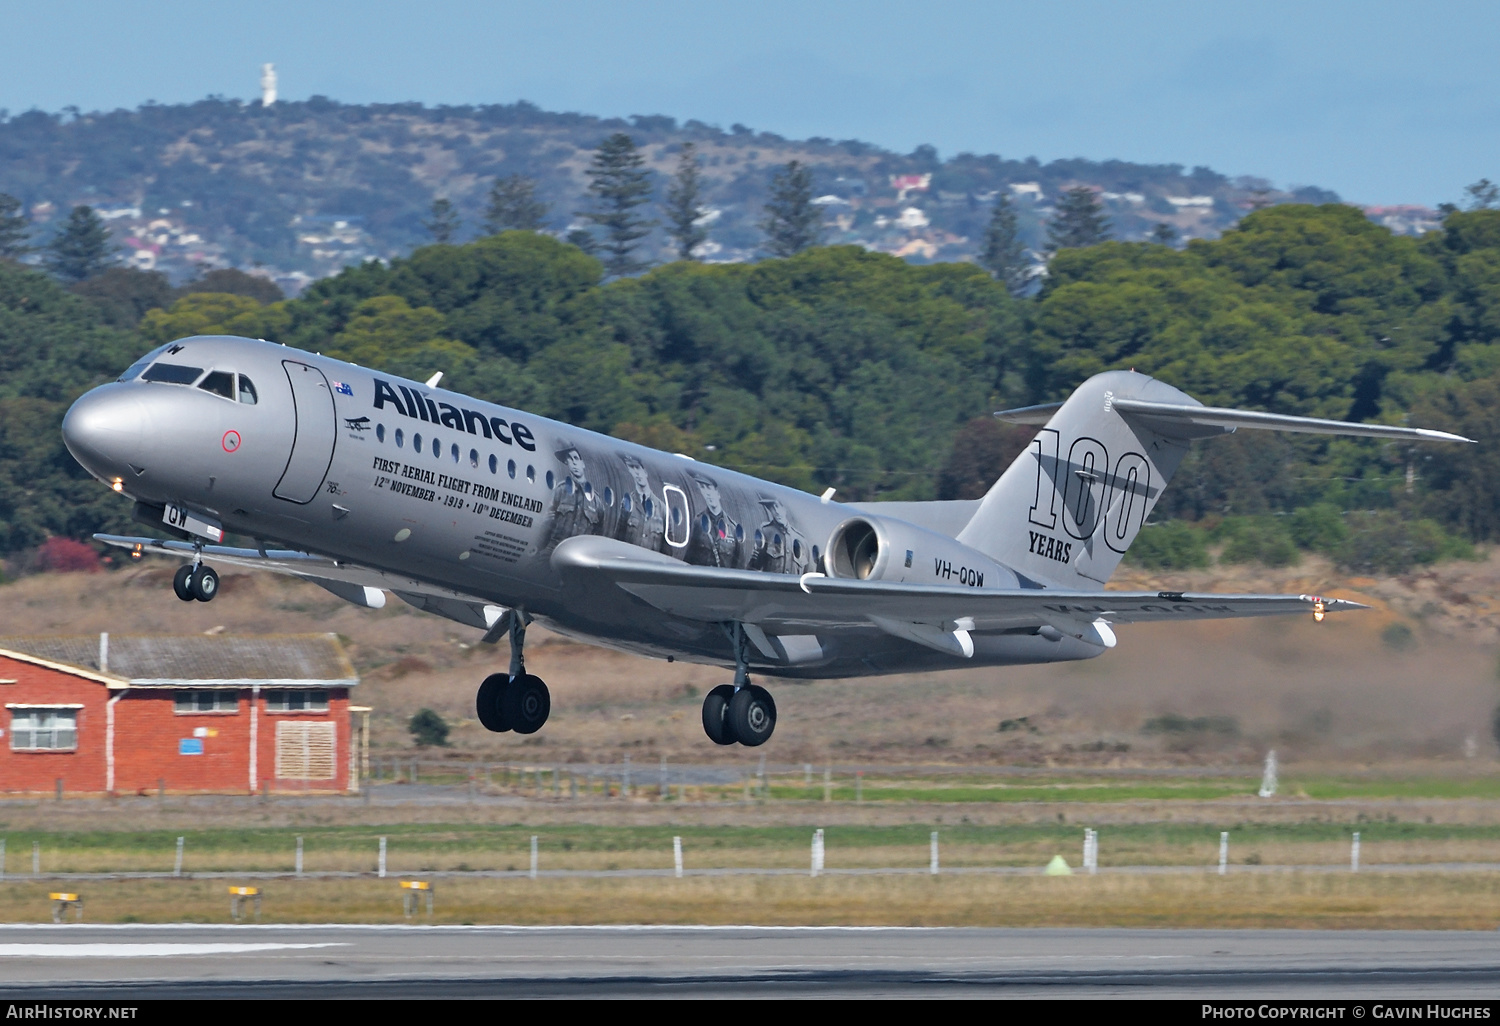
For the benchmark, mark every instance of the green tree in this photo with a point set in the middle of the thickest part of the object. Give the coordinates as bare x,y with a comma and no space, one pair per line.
684,206
1004,254
792,222
620,183
428,729
513,206
14,229
1079,221
1483,195
443,222
124,294
82,249
1164,234
234,282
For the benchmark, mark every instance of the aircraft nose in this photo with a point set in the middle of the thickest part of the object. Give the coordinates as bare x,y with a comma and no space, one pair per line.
105,430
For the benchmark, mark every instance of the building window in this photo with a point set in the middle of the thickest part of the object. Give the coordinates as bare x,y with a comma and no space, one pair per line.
219,700
299,700
306,751
43,730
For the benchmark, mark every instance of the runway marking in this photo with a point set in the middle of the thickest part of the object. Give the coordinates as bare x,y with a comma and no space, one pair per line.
141,950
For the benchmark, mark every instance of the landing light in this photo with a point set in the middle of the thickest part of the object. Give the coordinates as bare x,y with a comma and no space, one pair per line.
118,485
1318,611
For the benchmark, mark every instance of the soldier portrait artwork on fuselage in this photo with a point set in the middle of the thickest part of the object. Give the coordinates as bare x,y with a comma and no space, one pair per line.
698,516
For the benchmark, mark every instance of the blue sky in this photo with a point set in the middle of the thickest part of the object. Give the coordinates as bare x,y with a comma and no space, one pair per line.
1384,102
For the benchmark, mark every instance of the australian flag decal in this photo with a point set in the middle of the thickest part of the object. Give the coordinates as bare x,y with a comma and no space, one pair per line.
342,389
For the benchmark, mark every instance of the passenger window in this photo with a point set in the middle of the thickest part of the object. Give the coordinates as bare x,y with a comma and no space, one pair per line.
550,478
454,451
416,444
437,447
530,473
494,464
678,523
247,391
400,437
380,432
172,374
474,458
510,468
219,383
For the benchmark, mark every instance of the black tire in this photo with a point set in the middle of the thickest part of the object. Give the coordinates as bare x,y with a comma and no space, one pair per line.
205,583
487,703
181,582
526,703
715,713
752,716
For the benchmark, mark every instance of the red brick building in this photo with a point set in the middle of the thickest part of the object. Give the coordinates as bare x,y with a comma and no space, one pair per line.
202,713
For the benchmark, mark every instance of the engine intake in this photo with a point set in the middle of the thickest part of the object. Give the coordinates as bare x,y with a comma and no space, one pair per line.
855,551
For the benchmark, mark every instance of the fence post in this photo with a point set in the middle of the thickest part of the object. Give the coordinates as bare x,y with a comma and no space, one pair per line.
677,856
817,852
299,854
1354,854
934,866
177,866
381,869
533,856
1223,852
828,783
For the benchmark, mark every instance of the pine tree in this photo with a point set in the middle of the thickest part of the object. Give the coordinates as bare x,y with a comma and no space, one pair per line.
14,230
1483,195
1079,221
514,206
444,222
683,204
1004,254
82,249
792,222
1164,234
620,182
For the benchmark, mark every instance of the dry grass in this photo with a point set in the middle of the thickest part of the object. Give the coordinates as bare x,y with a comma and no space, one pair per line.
1296,900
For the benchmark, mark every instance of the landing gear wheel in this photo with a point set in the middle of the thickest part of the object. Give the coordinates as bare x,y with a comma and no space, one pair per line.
487,703
751,716
526,703
181,582
204,583
715,709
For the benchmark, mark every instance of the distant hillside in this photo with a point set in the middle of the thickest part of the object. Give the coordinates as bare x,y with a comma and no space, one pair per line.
314,186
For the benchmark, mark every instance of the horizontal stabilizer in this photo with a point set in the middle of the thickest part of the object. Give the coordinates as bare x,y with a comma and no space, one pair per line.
1179,420
1164,417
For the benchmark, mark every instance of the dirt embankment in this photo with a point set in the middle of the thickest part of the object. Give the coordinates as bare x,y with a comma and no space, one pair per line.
1412,679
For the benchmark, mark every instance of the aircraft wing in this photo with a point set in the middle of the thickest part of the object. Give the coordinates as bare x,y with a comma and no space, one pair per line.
362,585
813,602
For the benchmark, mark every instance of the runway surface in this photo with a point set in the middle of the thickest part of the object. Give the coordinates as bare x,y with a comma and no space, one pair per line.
81,962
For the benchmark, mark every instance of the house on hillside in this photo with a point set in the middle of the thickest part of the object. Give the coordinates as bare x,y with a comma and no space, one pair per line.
202,713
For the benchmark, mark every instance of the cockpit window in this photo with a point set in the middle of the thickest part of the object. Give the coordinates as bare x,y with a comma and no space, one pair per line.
219,383
134,370
247,391
172,374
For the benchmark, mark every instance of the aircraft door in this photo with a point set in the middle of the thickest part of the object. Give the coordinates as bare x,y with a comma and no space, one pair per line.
316,430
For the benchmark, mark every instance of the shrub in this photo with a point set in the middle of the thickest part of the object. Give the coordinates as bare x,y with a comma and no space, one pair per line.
1385,543
1318,528
64,555
1257,540
428,729
1172,723
1173,545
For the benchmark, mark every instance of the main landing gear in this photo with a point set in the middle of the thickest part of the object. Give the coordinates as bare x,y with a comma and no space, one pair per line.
740,712
517,700
195,582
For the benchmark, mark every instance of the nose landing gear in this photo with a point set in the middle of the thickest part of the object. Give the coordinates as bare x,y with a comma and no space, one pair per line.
517,700
195,582
740,712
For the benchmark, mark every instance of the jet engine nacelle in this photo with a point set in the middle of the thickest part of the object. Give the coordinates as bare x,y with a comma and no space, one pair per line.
876,548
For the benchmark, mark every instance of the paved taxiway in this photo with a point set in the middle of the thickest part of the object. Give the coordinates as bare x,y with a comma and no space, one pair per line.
138,961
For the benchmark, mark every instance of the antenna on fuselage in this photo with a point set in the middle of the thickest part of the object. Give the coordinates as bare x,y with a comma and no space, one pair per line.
432,381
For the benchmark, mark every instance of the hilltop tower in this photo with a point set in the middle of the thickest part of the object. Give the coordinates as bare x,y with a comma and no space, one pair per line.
267,84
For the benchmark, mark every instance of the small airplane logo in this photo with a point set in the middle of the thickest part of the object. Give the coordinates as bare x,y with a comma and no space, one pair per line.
357,423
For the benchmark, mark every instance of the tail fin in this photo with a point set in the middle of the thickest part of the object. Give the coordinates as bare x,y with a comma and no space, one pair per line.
1065,512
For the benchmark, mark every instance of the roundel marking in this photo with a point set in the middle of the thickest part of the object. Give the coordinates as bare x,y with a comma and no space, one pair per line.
231,441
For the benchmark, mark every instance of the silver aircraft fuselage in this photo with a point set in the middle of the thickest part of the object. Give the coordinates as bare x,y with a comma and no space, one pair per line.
380,471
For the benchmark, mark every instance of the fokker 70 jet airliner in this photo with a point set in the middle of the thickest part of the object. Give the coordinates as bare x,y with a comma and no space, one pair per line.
366,483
